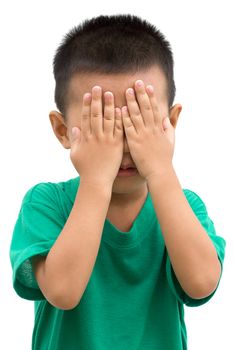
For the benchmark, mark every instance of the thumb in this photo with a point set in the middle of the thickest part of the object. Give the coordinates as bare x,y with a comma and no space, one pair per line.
169,130
75,134
166,123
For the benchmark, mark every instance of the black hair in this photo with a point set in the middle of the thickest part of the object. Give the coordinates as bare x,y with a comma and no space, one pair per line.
111,44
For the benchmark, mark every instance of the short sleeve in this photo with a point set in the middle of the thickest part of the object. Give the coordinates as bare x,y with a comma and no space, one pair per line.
200,211
38,225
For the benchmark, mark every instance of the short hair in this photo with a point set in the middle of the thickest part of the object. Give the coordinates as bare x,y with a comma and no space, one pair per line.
111,44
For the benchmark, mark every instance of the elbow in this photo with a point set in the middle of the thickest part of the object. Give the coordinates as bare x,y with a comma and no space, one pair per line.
63,301
203,287
200,291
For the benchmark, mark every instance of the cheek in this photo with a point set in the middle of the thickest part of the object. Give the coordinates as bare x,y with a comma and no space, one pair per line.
69,128
164,110
74,116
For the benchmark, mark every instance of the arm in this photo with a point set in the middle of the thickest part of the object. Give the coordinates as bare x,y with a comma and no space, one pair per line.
192,253
64,273
151,139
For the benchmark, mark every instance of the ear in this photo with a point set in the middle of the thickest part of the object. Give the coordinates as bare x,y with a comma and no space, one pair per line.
59,126
174,114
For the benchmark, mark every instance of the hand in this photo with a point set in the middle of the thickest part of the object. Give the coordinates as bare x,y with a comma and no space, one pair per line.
150,137
97,149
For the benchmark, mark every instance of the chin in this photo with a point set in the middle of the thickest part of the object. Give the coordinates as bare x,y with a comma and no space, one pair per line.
128,184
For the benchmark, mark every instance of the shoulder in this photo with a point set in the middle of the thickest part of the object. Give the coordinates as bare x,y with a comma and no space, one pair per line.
194,200
51,192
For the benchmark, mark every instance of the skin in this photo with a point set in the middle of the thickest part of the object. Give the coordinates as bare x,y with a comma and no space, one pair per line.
149,143
125,191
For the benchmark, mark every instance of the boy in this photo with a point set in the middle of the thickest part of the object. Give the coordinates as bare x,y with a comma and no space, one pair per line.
111,256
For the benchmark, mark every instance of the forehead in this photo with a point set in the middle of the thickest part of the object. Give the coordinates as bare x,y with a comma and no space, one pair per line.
117,84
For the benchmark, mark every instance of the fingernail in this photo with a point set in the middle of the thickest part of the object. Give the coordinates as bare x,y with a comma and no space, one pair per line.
97,88
139,83
150,88
74,132
87,96
108,93
130,91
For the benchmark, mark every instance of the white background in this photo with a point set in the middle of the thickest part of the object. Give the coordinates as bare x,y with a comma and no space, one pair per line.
201,35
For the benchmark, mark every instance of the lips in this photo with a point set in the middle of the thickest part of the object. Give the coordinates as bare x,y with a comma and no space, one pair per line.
127,166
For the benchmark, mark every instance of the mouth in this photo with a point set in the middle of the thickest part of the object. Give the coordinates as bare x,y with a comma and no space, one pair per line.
127,166
127,171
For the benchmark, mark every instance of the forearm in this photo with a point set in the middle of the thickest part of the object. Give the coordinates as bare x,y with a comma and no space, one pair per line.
192,253
70,262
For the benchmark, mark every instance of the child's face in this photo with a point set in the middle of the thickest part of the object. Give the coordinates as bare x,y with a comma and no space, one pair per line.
117,84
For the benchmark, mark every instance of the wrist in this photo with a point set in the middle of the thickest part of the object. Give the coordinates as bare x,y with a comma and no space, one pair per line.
164,183
161,174
103,186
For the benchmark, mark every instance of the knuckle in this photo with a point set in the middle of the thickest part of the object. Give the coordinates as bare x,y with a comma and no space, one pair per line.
109,138
118,126
85,115
147,107
87,136
96,114
156,130
108,116
99,135
137,113
156,108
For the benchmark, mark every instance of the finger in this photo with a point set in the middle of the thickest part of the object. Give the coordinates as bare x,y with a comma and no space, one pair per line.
96,111
134,110
75,134
85,114
127,123
109,113
144,103
118,131
154,105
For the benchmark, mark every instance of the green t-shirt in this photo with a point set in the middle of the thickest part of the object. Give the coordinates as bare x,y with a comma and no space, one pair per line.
132,301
